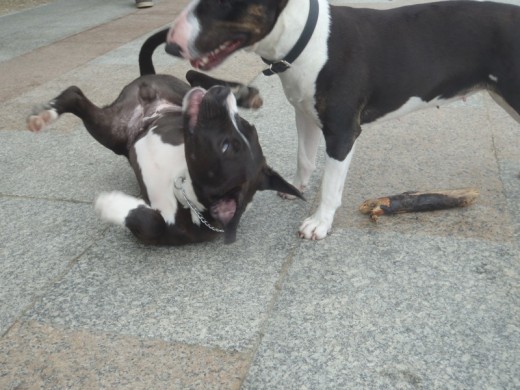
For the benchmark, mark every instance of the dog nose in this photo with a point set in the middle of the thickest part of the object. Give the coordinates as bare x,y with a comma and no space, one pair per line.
173,49
220,92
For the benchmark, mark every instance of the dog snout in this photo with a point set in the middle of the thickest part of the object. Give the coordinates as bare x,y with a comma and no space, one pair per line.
220,91
173,49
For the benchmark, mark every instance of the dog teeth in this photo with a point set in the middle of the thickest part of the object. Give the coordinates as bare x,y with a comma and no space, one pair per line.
219,49
204,61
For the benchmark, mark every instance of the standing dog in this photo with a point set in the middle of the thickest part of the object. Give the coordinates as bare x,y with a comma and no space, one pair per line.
342,67
198,163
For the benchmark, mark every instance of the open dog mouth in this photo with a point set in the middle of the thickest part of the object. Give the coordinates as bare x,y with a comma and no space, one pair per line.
216,56
224,209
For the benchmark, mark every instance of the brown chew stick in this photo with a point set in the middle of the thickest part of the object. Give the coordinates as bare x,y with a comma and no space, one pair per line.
409,202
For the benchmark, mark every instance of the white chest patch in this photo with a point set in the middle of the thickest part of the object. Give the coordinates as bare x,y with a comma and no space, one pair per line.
299,82
160,165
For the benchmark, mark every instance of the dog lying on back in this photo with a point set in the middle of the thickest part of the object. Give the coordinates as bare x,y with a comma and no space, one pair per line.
197,162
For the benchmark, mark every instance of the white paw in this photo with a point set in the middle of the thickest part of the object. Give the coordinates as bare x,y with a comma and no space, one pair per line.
315,227
114,206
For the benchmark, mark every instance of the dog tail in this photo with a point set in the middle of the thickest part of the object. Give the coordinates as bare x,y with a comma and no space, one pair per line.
149,46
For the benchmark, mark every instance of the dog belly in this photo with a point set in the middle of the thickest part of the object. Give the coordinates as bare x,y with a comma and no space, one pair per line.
416,103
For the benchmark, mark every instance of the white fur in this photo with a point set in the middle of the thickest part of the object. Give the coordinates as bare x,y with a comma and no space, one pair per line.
185,30
309,135
233,112
190,194
318,225
114,206
160,165
299,84
53,114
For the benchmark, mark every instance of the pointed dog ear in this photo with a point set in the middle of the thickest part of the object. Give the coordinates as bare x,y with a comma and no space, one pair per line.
271,180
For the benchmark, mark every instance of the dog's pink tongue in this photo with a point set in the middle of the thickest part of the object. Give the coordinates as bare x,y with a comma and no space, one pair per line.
224,210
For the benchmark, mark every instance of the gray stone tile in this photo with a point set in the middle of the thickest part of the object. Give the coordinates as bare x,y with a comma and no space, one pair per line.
55,21
510,174
40,241
59,165
211,294
376,310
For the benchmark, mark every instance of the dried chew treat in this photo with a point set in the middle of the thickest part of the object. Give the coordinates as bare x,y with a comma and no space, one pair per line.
410,202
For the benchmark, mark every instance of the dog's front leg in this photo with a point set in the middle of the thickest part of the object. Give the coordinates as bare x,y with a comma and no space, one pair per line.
308,140
318,225
340,149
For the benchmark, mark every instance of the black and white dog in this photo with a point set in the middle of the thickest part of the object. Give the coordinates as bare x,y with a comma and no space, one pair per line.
198,163
343,67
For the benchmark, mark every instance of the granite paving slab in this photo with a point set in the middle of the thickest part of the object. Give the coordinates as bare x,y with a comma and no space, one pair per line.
62,18
389,310
61,166
210,294
416,301
36,355
40,241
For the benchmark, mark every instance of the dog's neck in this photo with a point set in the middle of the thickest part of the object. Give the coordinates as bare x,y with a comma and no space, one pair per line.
288,28
182,183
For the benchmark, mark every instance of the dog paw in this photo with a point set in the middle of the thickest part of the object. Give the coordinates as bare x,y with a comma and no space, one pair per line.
315,228
248,97
115,206
41,118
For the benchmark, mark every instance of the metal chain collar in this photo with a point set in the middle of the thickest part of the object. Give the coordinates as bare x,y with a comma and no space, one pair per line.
193,208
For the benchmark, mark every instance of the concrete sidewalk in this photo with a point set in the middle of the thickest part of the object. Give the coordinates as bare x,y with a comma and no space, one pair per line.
415,301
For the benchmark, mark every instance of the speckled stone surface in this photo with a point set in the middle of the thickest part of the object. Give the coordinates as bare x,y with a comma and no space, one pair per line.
390,310
36,355
62,166
425,300
61,18
41,240
211,294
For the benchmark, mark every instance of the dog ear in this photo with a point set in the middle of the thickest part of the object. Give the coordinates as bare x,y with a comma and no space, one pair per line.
271,180
191,106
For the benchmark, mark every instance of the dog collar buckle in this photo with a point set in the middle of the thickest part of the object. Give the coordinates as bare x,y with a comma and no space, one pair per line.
284,64
276,67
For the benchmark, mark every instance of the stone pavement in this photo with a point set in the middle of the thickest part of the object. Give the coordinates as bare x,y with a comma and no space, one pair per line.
415,301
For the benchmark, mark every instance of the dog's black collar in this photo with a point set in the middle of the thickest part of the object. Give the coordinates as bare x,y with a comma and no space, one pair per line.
285,63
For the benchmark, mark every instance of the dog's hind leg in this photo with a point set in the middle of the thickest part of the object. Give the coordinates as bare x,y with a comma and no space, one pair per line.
246,96
98,121
145,223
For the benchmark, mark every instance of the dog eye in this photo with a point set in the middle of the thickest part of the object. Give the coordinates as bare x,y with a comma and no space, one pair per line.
225,146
